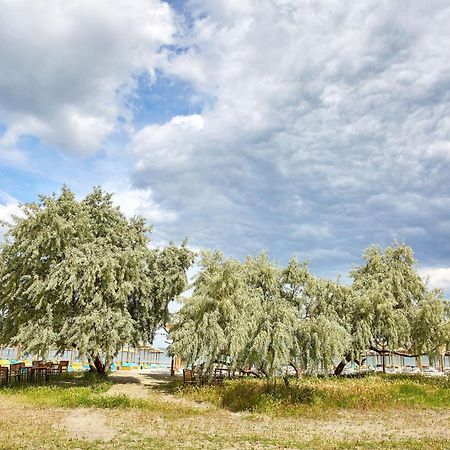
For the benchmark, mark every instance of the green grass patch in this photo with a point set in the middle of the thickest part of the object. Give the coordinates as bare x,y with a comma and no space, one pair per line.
87,390
311,394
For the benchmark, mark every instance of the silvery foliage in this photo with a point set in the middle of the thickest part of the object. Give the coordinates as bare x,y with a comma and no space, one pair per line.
257,315
393,308
80,275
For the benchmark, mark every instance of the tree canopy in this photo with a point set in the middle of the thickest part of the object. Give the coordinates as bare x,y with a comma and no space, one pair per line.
260,315
391,309
80,275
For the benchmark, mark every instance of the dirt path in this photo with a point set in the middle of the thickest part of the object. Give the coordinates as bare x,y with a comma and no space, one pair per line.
147,385
92,424
140,384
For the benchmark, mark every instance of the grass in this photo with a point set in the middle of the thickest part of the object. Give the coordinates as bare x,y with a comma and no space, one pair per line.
312,395
86,391
367,413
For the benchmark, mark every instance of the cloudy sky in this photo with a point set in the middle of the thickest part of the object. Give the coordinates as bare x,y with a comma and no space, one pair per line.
308,127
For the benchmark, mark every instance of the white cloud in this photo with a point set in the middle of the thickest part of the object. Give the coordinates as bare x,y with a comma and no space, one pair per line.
173,142
299,84
326,105
9,207
136,202
438,277
66,67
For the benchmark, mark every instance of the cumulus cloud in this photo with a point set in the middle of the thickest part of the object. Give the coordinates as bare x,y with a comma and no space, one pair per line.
329,122
9,207
320,127
438,277
172,144
136,202
67,67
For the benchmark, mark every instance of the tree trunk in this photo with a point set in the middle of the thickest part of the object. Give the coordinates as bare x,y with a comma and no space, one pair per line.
297,372
340,367
96,365
92,367
101,368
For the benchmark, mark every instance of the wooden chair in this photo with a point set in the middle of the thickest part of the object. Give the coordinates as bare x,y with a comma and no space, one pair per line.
52,368
220,374
25,373
4,375
63,366
15,371
191,376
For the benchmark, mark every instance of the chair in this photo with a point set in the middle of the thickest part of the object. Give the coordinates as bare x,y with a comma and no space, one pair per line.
191,376
63,366
220,374
52,368
25,373
4,375
15,371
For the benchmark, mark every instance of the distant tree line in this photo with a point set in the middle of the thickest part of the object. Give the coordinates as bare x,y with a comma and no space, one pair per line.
78,275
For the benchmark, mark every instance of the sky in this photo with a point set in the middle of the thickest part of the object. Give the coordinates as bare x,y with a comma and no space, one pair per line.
313,128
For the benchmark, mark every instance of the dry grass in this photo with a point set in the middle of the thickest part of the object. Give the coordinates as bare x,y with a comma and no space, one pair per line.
314,396
163,420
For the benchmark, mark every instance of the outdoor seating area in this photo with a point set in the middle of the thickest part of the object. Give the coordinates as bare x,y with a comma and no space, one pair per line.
38,371
196,375
20,366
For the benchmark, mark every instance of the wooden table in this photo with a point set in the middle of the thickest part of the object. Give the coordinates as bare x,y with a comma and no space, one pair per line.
39,372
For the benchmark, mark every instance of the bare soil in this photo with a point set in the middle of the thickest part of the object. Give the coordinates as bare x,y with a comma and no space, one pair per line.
174,422
89,424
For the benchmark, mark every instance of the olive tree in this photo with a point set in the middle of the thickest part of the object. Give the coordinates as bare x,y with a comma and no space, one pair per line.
80,275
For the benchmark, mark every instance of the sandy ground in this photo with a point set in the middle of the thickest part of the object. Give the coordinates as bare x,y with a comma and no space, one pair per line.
371,425
87,424
139,384
91,424
206,426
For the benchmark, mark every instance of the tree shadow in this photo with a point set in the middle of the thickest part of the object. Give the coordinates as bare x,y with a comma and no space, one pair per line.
120,379
164,383
63,381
